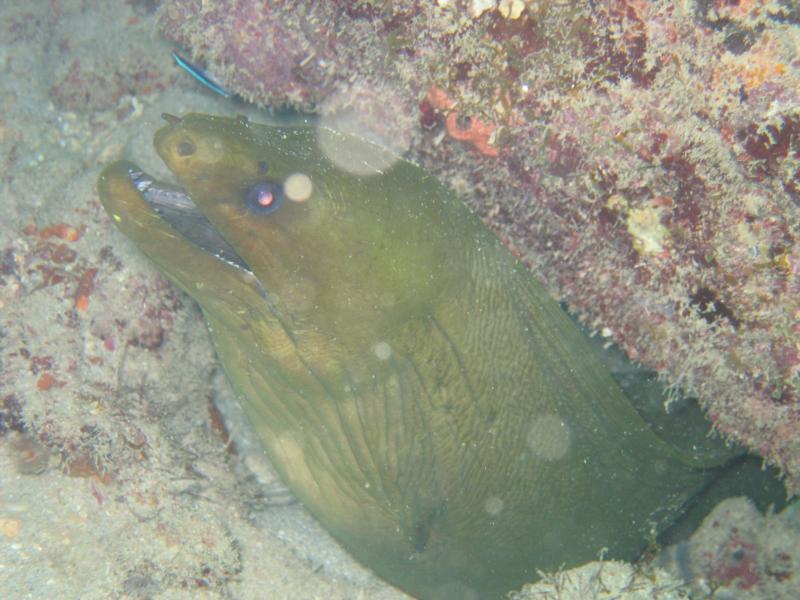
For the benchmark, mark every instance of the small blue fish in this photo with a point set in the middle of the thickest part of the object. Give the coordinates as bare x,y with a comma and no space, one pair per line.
201,76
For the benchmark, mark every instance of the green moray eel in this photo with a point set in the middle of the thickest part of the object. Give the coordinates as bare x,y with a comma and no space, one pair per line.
414,386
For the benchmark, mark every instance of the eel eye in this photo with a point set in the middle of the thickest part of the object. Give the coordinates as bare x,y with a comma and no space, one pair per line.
264,198
186,148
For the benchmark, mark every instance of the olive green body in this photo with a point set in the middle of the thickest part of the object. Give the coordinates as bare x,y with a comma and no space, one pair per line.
414,386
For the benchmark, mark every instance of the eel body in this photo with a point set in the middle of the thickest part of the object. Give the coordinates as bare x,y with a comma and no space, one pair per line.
412,383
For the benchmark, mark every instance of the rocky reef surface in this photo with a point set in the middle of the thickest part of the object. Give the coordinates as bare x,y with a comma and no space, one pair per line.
643,158
119,478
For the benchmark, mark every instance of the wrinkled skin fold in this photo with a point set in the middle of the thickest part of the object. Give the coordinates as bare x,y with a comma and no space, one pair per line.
413,385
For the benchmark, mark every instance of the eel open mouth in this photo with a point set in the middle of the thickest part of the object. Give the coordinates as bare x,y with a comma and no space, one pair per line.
175,206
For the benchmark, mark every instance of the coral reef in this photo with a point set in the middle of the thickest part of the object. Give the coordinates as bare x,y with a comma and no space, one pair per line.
642,157
605,580
117,476
739,552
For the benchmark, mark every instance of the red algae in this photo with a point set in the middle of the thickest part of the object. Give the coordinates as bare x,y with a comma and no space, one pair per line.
643,156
